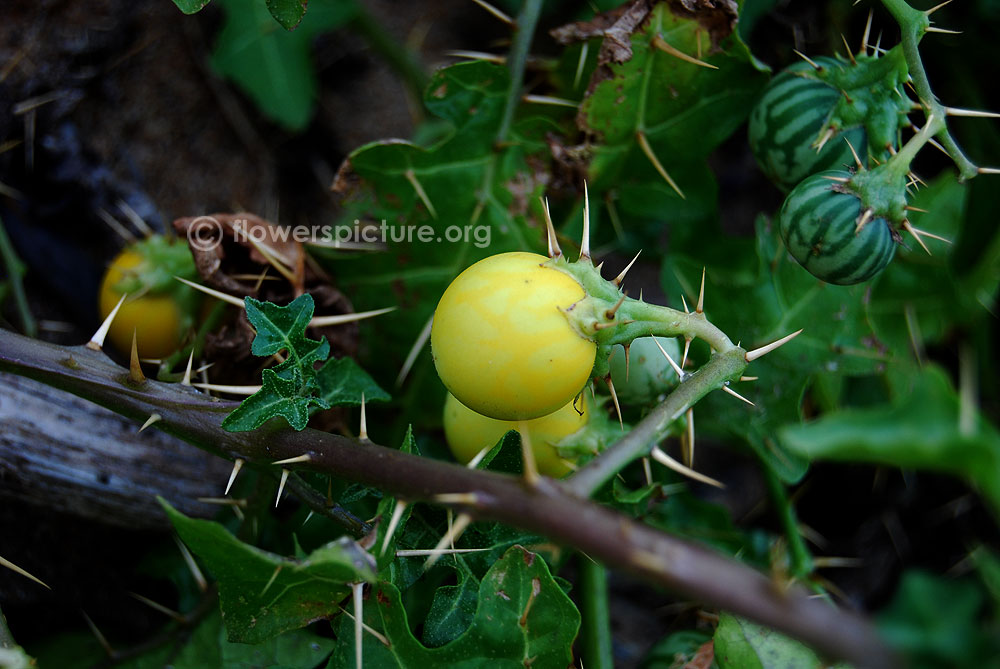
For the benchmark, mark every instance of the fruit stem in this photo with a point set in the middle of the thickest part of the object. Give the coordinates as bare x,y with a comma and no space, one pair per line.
595,635
725,366
913,24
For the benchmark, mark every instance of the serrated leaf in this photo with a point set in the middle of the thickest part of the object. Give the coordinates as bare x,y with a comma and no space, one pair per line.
277,397
283,328
262,594
274,66
921,428
522,617
740,644
287,12
342,382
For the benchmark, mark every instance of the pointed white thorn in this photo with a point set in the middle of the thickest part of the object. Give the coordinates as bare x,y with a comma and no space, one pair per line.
854,153
449,538
218,294
192,566
988,170
375,633
614,397
847,48
680,372
749,378
684,302
687,347
531,476
690,436
657,165
322,321
670,463
585,240
223,388
701,294
647,471
727,389
281,486
806,58
549,100
157,606
550,230
933,29
101,639
186,381
418,346
937,7
153,418
97,341
359,630
411,176
363,431
665,47
868,31
621,277
918,233
13,567
305,457
496,13
464,498
824,138
764,350
237,466
397,515
954,111
474,462
422,552
842,180
863,220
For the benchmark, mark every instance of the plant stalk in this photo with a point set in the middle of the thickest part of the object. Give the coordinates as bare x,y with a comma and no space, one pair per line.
595,632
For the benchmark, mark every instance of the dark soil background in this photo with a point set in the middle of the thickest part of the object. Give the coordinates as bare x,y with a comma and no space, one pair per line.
113,100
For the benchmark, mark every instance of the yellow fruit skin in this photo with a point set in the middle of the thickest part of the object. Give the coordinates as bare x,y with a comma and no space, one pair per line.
156,319
500,343
468,432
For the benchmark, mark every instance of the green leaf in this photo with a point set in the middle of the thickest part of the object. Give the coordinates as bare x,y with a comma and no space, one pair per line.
191,6
921,428
283,329
277,397
741,644
676,650
342,382
287,12
273,66
522,617
262,594
452,610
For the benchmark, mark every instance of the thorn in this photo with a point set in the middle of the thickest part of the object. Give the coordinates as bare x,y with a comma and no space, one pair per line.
878,45
474,462
357,590
13,567
496,13
412,178
281,486
97,341
118,228
918,233
222,388
397,515
375,633
100,637
223,501
647,471
549,100
186,381
670,463
621,277
550,230
585,241
842,180
420,552
684,302
689,442
237,466
305,457
868,30
527,455
936,7
701,295
954,111
727,389
153,418
614,397
322,321
599,266
863,220
450,537
662,45
133,216
687,347
854,153
847,47
809,60
363,431
218,294
270,581
764,350
937,145
648,150
677,369
192,566
418,346
477,55
749,378
627,348
830,132
988,170
584,51
157,606
134,366
922,211
464,498
610,313
932,29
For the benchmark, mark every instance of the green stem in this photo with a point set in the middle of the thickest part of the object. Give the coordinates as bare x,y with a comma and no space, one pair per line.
15,273
913,24
651,429
524,32
595,632
801,560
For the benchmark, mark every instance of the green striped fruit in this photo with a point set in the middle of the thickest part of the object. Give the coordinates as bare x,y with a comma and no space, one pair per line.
818,222
789,119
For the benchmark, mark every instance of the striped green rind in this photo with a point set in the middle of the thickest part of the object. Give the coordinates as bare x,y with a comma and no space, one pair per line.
788,119
818,225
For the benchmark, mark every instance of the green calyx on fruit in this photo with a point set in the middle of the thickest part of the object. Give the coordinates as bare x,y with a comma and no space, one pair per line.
812,111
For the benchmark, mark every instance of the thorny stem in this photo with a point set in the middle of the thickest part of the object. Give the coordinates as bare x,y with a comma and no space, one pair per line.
15,271
801,560
651,429
912,26
546,508
595,614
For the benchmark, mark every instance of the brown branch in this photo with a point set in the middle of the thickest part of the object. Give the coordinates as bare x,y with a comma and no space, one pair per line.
609,537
